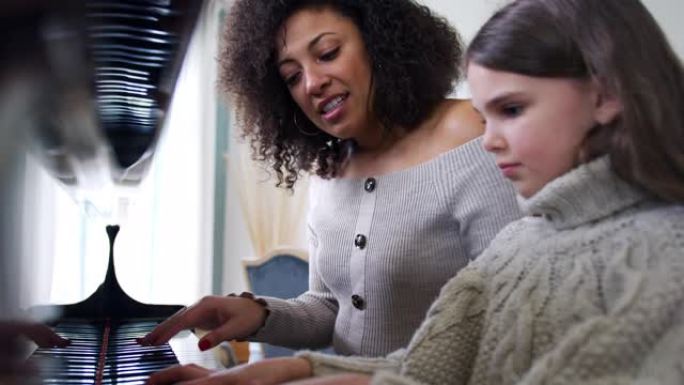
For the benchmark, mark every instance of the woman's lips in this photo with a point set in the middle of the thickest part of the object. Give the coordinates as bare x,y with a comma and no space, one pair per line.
336,113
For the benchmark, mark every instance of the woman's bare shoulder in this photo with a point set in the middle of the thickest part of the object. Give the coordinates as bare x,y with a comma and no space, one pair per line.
460,122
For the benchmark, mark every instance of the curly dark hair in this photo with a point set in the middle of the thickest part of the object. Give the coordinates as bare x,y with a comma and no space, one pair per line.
415,58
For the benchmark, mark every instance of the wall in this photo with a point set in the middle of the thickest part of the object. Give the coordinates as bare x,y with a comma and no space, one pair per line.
468,15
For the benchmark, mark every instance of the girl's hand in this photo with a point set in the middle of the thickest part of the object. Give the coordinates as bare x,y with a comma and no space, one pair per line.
266,372
226,318
178,374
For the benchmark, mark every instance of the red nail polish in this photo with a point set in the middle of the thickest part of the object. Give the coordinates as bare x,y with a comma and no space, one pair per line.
204,345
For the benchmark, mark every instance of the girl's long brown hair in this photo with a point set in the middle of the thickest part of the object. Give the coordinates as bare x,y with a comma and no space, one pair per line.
619,44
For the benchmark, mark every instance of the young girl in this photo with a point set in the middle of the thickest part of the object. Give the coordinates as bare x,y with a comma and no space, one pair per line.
584,109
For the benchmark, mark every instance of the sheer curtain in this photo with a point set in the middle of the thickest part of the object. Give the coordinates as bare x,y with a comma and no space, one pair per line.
163,252
274,216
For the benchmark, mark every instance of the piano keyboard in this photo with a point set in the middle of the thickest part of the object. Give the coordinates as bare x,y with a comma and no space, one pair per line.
105,353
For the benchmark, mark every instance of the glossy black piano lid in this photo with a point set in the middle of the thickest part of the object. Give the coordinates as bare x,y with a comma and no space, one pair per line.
135,46
100,74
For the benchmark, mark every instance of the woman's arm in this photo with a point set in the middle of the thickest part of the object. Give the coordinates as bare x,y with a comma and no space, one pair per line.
308,320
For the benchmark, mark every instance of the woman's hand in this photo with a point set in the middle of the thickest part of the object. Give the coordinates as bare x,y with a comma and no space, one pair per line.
266,372
226,318
340,379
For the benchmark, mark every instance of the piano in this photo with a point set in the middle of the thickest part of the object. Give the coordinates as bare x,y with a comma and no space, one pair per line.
103,330
88,84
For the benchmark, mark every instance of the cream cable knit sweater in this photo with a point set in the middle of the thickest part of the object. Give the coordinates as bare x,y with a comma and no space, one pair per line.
588,288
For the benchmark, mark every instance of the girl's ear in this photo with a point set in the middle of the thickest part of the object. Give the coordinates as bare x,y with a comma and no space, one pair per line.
608,105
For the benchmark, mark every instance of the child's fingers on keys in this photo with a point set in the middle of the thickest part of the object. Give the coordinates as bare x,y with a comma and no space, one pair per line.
177,374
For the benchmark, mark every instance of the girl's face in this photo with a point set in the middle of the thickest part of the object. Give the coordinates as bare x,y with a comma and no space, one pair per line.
323,61
536,126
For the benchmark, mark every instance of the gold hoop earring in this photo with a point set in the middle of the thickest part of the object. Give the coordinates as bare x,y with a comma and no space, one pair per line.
294,119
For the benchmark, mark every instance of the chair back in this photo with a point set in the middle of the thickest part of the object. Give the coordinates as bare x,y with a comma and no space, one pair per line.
282,273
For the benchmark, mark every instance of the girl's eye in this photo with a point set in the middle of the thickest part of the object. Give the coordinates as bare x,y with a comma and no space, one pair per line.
330,55
292,80
512,110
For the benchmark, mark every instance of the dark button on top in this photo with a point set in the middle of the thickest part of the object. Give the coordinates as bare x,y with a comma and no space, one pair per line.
360,241
370,184
357,301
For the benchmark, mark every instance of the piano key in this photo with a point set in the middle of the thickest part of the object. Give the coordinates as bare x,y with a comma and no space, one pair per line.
121,70
159,3
121,15
137,380
67,380
113,60
162,11
121,92
100,45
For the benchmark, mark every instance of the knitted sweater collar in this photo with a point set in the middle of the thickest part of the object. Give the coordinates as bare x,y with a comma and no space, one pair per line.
585,194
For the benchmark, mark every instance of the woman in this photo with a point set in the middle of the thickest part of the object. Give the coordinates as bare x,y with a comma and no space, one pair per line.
354,93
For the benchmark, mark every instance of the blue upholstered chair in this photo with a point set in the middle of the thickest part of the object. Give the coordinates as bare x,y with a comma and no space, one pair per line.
282,273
